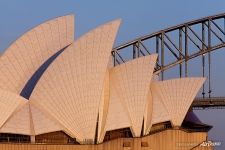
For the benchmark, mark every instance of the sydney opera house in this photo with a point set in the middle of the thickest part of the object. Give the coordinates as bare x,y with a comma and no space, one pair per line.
65,94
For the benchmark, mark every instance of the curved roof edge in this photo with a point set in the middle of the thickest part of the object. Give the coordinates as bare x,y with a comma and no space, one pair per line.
35,26
26,54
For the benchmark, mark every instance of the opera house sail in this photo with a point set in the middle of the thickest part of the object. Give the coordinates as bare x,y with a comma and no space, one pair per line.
57,90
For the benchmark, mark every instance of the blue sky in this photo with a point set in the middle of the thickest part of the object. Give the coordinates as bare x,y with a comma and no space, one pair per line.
139,17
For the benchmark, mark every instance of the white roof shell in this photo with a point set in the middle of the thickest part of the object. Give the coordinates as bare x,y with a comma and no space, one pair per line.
131,81
24,56
176,97
74,82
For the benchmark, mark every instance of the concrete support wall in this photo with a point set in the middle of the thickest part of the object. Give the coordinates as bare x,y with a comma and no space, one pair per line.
166,140
32,139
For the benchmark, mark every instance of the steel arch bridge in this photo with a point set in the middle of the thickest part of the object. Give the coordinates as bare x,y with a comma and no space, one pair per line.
181,43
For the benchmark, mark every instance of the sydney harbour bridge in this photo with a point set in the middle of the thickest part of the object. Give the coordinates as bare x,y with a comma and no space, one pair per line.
176,46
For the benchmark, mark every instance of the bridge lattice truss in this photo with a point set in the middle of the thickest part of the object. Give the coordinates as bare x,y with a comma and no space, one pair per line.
181,43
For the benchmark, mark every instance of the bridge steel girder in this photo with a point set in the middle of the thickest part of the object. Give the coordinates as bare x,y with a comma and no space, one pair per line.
206,103
186,28
182,42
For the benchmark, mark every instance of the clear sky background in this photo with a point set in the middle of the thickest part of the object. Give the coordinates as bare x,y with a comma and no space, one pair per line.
139,17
